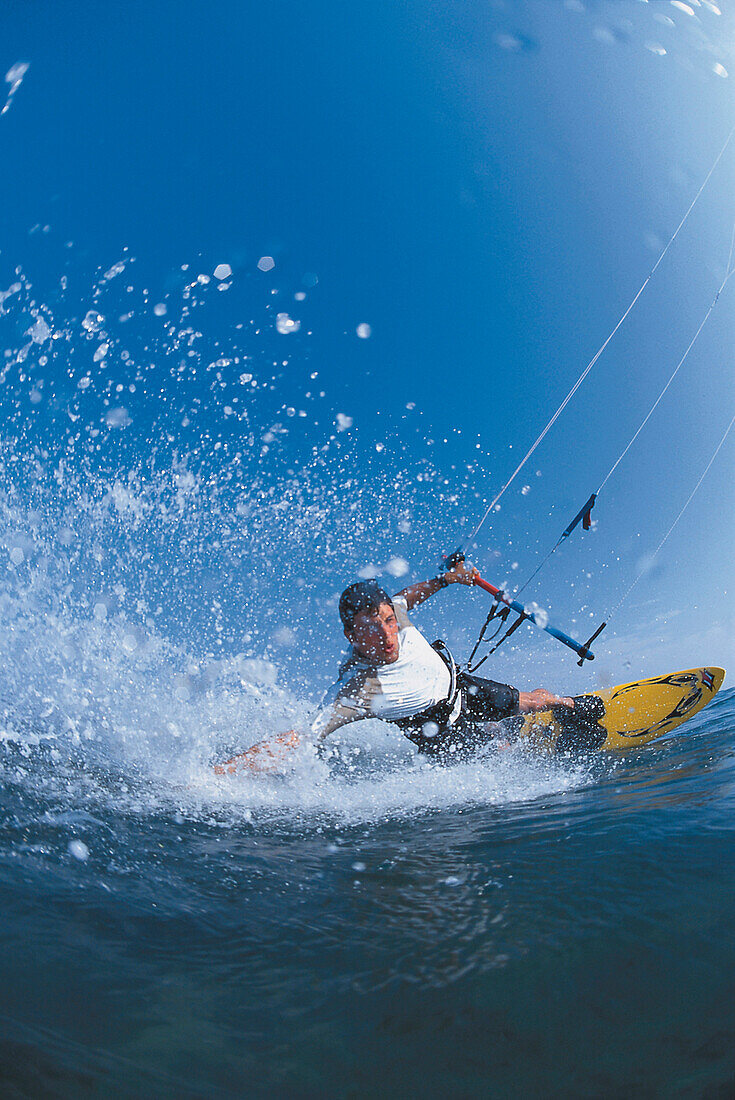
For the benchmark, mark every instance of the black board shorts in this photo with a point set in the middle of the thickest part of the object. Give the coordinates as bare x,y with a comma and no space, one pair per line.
483,702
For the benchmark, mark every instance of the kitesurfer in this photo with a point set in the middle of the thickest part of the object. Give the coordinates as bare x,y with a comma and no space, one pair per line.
394,674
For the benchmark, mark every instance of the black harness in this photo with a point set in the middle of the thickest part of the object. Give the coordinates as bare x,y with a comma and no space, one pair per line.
440,715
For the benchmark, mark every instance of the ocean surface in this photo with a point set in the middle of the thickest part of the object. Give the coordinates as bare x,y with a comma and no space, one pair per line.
516,926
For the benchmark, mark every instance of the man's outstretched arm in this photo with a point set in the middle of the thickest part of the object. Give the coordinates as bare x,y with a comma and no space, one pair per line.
271,755
417,593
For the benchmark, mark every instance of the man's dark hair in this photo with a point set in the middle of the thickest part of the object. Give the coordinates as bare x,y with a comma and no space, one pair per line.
361,596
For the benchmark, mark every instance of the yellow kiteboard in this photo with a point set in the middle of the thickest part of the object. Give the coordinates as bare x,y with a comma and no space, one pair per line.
626,715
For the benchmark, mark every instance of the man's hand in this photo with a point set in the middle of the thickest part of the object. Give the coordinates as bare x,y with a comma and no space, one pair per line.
540,699
461,574
417,593
264,757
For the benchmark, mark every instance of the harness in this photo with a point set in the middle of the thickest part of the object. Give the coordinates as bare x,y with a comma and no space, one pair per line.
444,714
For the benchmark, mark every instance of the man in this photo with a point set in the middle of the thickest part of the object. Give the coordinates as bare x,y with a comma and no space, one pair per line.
394,674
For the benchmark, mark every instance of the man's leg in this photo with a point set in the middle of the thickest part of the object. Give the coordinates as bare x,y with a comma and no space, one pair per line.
487,700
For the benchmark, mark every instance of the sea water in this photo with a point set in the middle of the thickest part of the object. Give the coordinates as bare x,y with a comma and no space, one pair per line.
555,927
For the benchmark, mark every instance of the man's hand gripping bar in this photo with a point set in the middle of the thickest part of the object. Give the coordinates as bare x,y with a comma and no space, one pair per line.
582,650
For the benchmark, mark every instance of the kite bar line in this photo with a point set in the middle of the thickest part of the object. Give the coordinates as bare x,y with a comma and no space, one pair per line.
688,501
656,403
600,350
584,513
581,650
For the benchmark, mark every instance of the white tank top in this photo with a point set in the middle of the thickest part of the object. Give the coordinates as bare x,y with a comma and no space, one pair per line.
417,679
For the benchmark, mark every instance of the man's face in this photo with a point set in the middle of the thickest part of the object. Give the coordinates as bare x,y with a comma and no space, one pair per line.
374,634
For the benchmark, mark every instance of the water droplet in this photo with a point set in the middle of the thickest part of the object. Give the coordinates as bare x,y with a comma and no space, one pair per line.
14,78
79,850
397,567
222,271
92,321
118,418
364,331
15,74
111,272
537,613
286,325
508,42
39,332
266,263
514,43
608,35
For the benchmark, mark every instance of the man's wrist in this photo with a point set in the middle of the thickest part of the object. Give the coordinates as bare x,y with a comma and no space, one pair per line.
441,580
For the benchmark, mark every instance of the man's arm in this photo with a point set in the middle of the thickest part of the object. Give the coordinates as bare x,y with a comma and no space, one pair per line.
273,754
530,702
417,593
345,702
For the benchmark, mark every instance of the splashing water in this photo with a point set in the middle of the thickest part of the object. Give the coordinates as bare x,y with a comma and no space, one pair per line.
174,532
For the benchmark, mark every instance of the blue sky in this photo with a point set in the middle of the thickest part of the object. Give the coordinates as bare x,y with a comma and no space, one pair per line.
486,186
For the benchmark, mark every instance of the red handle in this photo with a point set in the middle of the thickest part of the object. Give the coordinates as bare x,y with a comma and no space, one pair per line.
487,586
